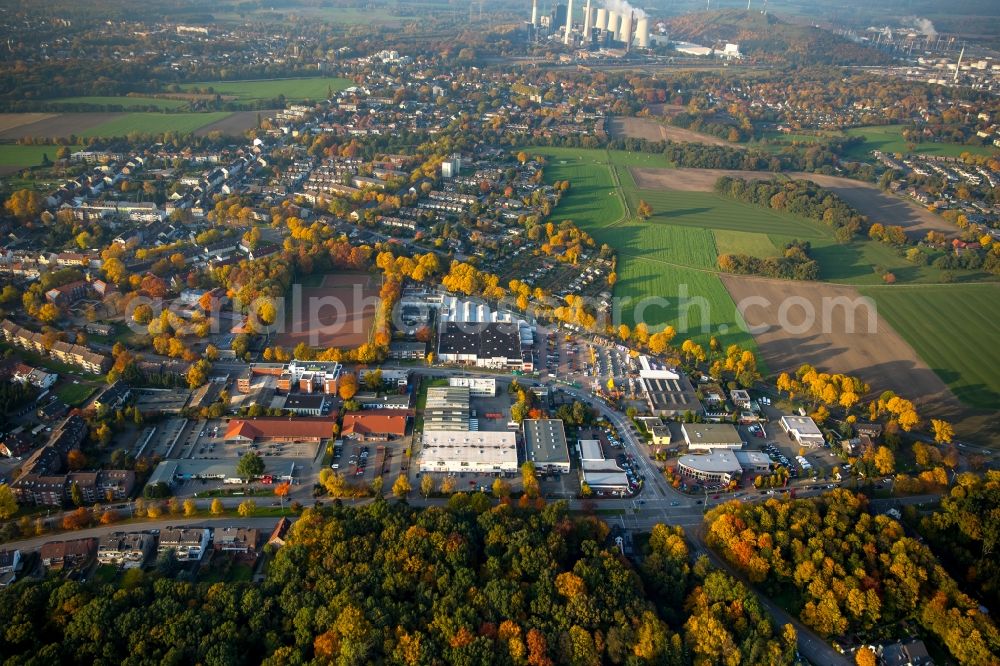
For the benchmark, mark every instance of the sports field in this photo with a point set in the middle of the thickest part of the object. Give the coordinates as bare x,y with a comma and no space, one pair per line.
953,328
265,89
153,123
333,310
889,138
127,103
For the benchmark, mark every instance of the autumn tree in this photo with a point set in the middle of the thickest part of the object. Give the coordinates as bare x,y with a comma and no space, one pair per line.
644,210
8,503
401,487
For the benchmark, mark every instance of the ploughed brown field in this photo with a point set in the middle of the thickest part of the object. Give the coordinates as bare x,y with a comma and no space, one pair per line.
235,124
651,130
51,124
338,313
861,344
868,199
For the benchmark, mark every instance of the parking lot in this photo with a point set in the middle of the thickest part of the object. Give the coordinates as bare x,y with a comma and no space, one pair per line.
362,462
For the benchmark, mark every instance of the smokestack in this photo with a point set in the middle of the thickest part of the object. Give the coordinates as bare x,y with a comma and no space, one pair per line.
626,30
534,13
958,67
588,21
642,33
602,19
569,23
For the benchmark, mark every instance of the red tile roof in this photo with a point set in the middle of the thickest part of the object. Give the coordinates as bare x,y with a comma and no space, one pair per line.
376,422
271,427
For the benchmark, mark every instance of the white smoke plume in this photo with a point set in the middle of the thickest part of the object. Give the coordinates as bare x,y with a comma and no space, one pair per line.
622,8
923,25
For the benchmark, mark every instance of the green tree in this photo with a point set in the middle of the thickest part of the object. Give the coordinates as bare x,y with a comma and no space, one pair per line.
250,466
8,503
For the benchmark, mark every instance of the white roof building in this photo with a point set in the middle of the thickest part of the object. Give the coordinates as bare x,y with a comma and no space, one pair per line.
479,452
803,430
705,436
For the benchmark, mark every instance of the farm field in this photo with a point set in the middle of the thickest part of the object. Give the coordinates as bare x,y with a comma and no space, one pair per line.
51,125
236,123
153,123
889,138
14,157
866,347
694,302
265,89
336,310
653,130
953,328
126,102
757,245
664,242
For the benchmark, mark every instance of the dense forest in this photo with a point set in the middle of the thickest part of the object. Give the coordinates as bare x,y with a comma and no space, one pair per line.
798,197
844,571
468,584
964,532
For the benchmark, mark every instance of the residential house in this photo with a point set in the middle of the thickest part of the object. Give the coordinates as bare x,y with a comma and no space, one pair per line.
128,550
187,543
72,554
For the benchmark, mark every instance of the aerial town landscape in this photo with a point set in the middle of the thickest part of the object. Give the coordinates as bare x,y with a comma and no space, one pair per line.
532,332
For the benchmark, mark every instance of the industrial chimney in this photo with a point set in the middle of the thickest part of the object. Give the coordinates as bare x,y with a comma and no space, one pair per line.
569,23
534,13
588,21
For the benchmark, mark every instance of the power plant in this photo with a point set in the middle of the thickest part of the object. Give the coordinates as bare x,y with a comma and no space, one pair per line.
601,27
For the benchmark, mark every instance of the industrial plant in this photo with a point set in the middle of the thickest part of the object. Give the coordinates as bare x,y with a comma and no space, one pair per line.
616,25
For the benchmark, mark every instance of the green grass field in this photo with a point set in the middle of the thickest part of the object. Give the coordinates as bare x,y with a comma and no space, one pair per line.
755,244
127,103
74,394
264,89
154,123
667,243
953,328
889,138
593,200
694,302
27,156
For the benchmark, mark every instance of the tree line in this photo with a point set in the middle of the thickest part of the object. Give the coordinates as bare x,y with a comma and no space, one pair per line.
470,583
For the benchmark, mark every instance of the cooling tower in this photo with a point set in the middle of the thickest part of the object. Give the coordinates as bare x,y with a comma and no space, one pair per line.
642,33
613,23
602,19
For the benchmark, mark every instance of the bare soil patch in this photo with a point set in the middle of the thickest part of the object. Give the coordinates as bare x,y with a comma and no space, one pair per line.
651,130
850,339
689,180
235,124
11,120
57,125
338,313
882,207
868,199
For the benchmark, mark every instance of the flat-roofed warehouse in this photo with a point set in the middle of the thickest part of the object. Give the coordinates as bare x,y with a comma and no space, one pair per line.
668,391
704,436
483,345
545,445
447,408
481,452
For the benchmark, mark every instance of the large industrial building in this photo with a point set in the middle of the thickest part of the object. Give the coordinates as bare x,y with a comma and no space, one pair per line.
477,452
705,436
668,391
499,346
447,408
545,445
